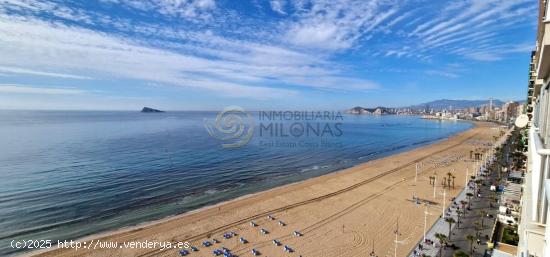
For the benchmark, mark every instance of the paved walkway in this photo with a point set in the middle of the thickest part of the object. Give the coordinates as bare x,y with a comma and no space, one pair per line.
458,236
468,228
440,226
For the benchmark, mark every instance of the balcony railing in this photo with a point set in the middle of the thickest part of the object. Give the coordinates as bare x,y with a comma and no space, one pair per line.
540,189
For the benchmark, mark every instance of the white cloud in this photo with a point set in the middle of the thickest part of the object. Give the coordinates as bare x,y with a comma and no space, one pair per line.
52,8
442,73
27,5
336,83
319,24
483,56
380,18
493,52
469,24
186,8
403,51
320,35
66,48
397,20
278,6
231,68
15,70
246,57
336,25
191,10
23,89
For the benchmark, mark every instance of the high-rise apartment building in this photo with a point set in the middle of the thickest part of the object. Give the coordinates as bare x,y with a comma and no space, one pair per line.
534,226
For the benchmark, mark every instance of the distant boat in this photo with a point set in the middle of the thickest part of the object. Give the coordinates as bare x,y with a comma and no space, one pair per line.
147,109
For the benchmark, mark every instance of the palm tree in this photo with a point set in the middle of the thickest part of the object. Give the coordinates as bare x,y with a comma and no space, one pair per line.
469,195
478,183
458,213
477,227
453,181
463,203
499,180
460,254
450,221
482,213
471,239
442,239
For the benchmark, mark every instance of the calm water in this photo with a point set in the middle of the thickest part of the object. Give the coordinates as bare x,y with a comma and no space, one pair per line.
65,175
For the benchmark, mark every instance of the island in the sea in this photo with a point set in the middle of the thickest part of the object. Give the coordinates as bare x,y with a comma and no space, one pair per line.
147,109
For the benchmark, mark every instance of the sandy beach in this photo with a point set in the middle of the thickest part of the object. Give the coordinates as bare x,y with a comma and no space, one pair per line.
344,213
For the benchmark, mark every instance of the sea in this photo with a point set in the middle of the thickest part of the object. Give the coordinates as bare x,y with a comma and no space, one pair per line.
70,174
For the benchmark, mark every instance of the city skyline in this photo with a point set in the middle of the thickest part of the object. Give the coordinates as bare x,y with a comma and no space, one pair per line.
206,54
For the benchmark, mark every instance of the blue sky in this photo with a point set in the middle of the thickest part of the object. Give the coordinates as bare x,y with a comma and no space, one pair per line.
278,54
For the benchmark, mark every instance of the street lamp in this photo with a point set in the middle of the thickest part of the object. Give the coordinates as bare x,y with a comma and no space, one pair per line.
396,232
372,254
426,213
416,174
435,183
443,206
467,175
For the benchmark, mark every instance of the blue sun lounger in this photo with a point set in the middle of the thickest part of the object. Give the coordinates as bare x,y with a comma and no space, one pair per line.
288,249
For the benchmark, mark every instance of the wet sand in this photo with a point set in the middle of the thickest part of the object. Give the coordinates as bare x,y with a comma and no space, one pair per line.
343,213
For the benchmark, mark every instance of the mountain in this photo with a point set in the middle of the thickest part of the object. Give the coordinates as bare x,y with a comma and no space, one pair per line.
455,104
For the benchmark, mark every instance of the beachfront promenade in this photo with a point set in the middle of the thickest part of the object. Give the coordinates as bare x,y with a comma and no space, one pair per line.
478,204
467,226
440,226
458,237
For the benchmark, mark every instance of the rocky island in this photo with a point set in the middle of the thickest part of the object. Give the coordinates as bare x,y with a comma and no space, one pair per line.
373,111
147,109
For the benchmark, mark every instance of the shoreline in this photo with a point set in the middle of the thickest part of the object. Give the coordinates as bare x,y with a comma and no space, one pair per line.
144,224
113,234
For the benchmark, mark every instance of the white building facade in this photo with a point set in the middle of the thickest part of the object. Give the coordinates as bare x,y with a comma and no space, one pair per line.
534,228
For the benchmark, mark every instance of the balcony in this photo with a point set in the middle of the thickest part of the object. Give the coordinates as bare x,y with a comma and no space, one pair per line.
540,160
532,233
544,59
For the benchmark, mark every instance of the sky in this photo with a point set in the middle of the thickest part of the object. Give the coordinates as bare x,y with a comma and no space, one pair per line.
261,54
